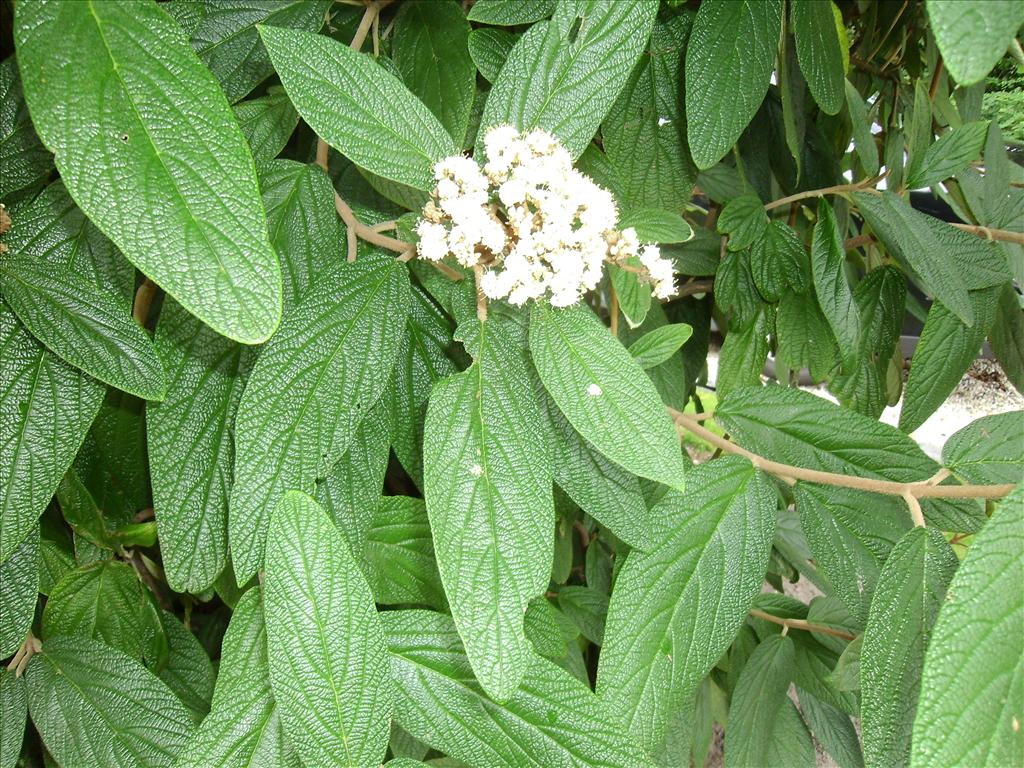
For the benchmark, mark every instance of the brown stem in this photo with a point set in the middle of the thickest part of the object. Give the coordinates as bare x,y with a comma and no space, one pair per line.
321,153
1004,235
365,23
364,232
856,242
934,87
802,624
584,534
919,490
481,300
694,287
29,647
613,326
143,300
837,189
146,575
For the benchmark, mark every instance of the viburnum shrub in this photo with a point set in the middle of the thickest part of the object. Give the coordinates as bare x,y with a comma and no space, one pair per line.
355,396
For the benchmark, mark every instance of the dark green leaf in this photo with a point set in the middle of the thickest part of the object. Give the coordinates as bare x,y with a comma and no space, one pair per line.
604,393
657,346
729,60
971,690
735,291
267,122
82,514
154,155
358,107
13,714
832,729
399,555
188,672
744,220
510,13
95,706
778,259
831,286
949,155
564,75
803,336
677,607
973,36
988,450
325,644
1007,336
655,225
860,122
587,608
743,355
22,156
487,483
489,48
19,586
911,590
818,52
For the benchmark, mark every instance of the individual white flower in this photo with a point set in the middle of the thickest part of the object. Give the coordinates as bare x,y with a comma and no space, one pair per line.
433,240
660,271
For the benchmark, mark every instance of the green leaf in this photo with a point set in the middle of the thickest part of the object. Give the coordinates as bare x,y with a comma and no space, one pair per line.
421,361
988,450
324,640
227,40
551,719
677,607
1007,336
910,592
188,672
951,154
744,220
860,122
634,296
104,601
835,296
84,325
790,742
656,226
564,75
919,246
944,352
489,48
82,514
430,49
801,429
587,608
604,393
833,730
972,37
267,122
22,156
46,408
302,223
181,199
19,587
358,107
818,52
644,134
920,132
760,694
92,705
487,484
729,60
399,555
803,336
190,445
244,725
510,13
971,689
13,714
850,534
735,291
657,346
312,385
778,259
743,355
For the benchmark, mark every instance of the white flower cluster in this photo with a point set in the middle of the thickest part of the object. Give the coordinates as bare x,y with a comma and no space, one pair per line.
534,224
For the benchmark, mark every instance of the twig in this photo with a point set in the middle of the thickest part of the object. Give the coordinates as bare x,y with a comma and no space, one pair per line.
321,153
934,87
29,648
919,490
856,242
1004,235
838,189
915,509
385,226
613,307
364,25
694,287
143,300
802,624
481,300
144,573
364,232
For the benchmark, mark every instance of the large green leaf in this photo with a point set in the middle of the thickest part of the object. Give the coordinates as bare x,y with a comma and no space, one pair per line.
267,122
19,591
1007,336
13,714
190,443
863,139
93,705
564,75
328,661
803,336
431,51
510,13
729,60
604,393
677,607
154,156
551,719
818,52
312,385
227,40
850,534
943,354
756,703
911,590
778,259
988,450
489,49
46,408
644,134
188,672
910,238
972,688
302,223
973,36
22,156
951,154
86,326
104,601
832,729
487,484
244,726
358,107
799,428
830,284
398,559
